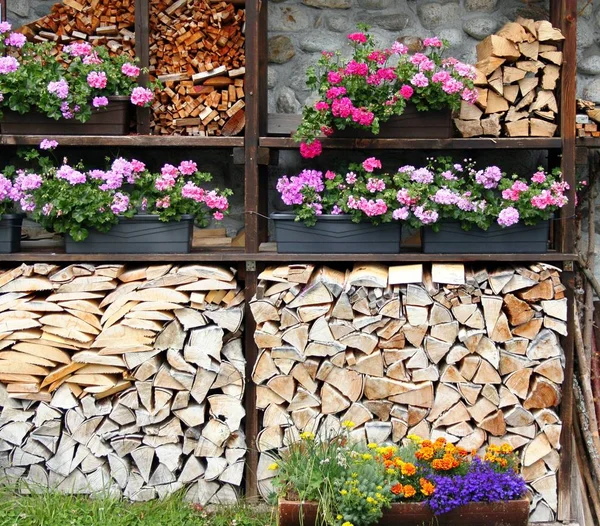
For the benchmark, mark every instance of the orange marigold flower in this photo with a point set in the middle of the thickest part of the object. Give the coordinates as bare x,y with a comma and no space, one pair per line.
409,469
503,462
462,452
388,463
425,453
397,489
398,461
409,491
427,488
426,443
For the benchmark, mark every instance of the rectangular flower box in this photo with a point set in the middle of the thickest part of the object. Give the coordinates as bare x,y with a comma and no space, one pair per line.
10,233
142,234
112,120
519,239
335,234
505,513
412,124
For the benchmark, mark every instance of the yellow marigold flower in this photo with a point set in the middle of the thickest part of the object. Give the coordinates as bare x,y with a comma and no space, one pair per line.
366,456
399,462
372,445
348,424
379,496
273,466
506,448
379,488
343,492
415,438
307,435
354,475
390,471
371,500
347,524
339,517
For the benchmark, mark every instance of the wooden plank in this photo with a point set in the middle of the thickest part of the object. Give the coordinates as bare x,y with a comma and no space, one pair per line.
142,52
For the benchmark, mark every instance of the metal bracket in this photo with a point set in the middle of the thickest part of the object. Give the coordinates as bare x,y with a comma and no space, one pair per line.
568,266
250,266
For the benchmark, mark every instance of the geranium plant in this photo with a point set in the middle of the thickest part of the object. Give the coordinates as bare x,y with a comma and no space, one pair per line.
13,188
72,199
354,484
477,197
357,191
63,81
376,83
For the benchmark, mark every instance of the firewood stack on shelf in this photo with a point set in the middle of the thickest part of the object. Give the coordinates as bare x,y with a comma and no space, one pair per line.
518,71
197,52
588,118
468,354
126,379
100,22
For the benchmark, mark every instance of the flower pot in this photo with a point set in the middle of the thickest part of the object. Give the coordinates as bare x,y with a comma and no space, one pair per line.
142,234
10,233
412,124
111,120
519,239
335,234
505,513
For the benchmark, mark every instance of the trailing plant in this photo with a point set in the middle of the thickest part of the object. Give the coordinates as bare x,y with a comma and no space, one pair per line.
63,81
72,199
376,83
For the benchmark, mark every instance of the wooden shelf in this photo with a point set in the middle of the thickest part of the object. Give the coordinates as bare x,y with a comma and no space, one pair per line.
52,257
589,142
153,141
527,143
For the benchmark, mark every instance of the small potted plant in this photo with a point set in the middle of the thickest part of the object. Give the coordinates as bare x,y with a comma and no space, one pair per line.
413,95
46,88
347,212
124,209
13,188
465,209
334,482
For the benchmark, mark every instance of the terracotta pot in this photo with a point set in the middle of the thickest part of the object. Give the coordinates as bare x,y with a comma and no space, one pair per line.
111,120
412,124
509,513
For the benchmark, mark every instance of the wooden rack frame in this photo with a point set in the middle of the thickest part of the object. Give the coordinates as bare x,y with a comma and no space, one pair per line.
261,138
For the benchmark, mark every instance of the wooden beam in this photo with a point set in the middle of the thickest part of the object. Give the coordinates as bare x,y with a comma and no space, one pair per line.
142,52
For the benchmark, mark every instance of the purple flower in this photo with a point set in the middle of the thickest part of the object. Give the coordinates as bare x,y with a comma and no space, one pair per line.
336,210
401,214
8,65
71,175
120,203
16,40
422,175
490,177
47,144
99,102
59,88
426,217
292,189
5,27
508,217
481,484
444,196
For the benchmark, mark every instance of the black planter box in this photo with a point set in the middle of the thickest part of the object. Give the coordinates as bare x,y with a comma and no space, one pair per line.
111,120
335,234
412,124
519,239
142,234
10,233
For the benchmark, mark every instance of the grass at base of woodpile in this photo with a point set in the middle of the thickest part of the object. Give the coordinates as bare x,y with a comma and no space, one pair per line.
54,509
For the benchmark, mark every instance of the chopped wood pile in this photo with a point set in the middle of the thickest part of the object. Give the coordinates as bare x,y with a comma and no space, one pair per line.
468,354
123,379
588,118
197,52
100,22
518,71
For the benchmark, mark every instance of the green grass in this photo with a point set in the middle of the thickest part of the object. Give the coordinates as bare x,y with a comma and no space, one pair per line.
53,509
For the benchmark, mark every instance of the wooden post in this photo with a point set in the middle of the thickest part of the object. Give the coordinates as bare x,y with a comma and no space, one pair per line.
2,10
142,52
255,204
563,14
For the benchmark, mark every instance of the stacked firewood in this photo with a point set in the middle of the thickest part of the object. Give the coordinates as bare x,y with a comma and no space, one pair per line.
197,52
126,379
471,355
588,118
100,22
518,71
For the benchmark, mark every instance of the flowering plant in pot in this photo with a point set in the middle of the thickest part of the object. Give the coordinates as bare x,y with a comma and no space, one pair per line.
376,84
481,200
77,201
339,211
64,82
335,482
13,188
